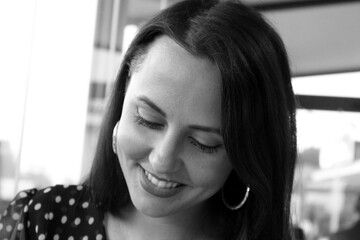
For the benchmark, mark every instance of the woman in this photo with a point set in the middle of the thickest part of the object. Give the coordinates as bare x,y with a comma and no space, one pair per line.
199,140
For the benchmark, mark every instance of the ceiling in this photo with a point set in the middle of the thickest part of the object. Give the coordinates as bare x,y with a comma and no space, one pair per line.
322,36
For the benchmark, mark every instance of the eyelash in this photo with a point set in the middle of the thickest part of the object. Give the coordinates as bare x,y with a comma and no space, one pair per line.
204,148
156,126
141,121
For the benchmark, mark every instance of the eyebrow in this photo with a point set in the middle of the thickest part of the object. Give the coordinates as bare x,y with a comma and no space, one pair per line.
155,107
152,105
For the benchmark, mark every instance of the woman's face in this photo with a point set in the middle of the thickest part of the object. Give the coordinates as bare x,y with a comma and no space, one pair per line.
169,140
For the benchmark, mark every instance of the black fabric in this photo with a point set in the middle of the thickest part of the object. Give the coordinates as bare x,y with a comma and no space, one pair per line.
59,212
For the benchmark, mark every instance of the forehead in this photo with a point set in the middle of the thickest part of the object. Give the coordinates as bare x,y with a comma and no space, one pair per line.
170,76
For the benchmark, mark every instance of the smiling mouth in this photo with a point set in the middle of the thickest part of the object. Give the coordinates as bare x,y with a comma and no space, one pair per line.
161,183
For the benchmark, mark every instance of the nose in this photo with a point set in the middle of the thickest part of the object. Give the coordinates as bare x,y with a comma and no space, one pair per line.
165,156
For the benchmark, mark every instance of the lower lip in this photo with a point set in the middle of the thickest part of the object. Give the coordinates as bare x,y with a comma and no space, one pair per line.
155,190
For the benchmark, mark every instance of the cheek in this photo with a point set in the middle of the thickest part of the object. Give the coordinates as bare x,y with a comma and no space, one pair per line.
130,143
210,174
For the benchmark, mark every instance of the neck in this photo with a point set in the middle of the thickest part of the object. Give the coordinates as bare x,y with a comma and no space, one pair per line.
132,224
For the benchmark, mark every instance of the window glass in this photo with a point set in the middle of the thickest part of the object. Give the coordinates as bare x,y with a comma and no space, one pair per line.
327,182
44,86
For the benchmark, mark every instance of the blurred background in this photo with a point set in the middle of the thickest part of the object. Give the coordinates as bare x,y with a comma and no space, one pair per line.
58,60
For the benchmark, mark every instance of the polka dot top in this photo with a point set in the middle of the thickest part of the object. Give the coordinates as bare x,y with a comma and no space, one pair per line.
56,213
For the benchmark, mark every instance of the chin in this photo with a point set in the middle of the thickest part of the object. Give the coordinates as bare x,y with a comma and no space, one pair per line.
155,210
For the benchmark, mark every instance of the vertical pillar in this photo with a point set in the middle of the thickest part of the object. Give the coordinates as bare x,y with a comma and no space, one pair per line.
118,23
337,198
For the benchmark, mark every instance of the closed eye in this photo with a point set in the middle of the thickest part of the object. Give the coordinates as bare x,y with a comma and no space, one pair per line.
157,126
143,122
204,148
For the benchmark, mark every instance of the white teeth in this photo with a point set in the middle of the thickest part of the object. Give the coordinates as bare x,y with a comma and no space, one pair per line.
160,183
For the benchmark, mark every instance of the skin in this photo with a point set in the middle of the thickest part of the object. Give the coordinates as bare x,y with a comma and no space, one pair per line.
179,95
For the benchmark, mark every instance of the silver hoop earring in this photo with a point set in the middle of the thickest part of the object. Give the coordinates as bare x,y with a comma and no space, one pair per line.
114,138
236,207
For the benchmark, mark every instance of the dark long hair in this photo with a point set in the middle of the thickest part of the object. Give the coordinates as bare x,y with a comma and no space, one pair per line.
258,112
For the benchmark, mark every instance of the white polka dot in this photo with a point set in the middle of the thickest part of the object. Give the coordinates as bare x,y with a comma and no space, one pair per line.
79,187
71,238
63,219
91,220
77,221
66,186
71,201
46,216
85,238
37,206
12,203
22,194
99,237
47,190
1,226
5,213
51,216
36,228
28,223
15,216
8,228
20,227
56,237
41,237
58,199
26,208
30,202
85,205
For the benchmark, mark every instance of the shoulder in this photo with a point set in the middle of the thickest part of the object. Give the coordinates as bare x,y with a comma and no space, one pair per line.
11,220
64,195
44,203
52,211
